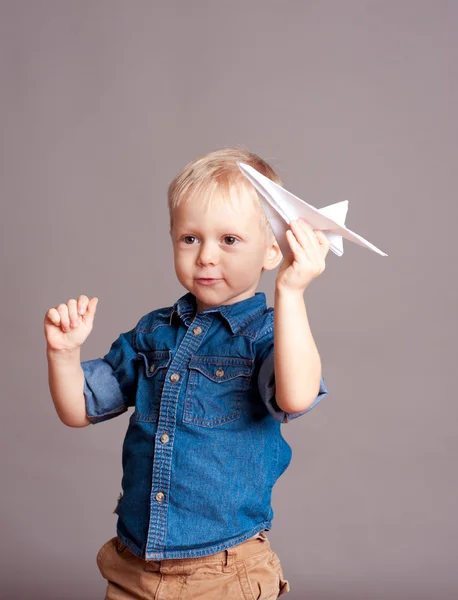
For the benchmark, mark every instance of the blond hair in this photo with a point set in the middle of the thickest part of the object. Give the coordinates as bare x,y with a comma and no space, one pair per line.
201,177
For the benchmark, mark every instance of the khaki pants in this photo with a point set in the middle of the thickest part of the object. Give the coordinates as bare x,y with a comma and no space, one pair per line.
247,571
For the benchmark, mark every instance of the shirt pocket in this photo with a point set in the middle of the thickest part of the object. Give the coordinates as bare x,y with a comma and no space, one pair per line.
153,369
215,388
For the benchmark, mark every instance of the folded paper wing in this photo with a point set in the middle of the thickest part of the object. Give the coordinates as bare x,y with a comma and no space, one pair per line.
282,207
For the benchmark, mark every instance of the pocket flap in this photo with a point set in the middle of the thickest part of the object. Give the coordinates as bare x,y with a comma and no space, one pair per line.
222,368
155,360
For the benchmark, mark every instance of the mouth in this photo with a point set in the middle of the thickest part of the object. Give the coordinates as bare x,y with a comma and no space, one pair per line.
207,280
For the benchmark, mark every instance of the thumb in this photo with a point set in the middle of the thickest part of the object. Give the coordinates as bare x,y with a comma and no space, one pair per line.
322,237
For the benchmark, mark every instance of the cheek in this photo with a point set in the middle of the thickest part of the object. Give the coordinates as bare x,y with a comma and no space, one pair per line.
246,264
252,259
181,263
183,266
181,256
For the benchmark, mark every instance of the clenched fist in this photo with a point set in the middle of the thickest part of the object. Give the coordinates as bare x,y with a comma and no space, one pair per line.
68,325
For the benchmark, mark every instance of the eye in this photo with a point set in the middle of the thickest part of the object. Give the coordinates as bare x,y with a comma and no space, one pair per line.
187,237
230,240
231,237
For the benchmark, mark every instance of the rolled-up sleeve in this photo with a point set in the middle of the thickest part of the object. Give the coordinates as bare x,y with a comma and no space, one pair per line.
110,382
266,383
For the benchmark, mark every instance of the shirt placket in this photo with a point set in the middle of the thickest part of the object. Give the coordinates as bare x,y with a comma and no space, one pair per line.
165,436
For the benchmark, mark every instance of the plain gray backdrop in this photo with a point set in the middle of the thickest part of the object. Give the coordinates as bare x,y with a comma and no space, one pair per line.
102,103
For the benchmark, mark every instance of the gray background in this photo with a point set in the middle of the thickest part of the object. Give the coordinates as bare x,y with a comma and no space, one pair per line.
102,103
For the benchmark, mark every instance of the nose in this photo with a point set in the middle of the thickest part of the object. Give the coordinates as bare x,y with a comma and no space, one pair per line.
208,254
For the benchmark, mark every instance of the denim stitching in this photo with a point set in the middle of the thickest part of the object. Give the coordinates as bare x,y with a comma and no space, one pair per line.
189,392
250,318
117,410
259,330
164,473
206,551
264,334
181,364
164,357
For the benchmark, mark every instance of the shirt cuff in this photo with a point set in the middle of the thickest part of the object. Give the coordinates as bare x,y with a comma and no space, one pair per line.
266,385
104,399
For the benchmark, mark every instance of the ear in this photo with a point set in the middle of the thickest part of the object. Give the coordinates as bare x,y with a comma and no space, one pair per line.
273,255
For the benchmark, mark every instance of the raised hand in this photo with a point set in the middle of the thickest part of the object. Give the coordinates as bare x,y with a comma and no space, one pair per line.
307,257
68,325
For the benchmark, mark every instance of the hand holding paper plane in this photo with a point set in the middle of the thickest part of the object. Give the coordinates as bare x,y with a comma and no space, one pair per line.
282,207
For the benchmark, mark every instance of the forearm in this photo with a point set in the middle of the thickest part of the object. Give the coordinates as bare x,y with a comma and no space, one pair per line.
296,358
66,384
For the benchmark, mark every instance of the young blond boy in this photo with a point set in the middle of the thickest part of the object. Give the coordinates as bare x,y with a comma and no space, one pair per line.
203,448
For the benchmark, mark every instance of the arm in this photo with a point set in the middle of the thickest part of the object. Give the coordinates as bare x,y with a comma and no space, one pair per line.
94,390
66,327
297,362
66,384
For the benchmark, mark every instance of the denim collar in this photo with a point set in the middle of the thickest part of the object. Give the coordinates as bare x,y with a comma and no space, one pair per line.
236,315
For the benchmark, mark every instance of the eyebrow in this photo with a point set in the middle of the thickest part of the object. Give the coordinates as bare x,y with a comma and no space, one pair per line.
228,229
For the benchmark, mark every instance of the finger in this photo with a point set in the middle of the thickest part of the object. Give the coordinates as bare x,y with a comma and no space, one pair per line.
73,313
307,229
62,309
316,250
324,242
296,248
92,306
82,304
90,312
300,235
53,316
306,236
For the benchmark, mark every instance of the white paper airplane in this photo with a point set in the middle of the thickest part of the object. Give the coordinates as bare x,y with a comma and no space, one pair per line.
282,207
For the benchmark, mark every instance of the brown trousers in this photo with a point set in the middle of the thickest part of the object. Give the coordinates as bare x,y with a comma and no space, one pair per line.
248,571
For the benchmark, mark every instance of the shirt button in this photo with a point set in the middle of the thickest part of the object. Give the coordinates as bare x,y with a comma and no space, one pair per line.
219,372
164,438
197,330
160,497
174,377
151,368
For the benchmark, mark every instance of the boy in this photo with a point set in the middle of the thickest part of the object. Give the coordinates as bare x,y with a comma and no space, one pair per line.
203,448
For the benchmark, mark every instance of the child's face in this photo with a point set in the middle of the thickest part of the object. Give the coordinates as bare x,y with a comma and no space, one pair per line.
224,241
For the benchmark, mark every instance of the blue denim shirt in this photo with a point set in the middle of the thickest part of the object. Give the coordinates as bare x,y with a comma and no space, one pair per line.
203,447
